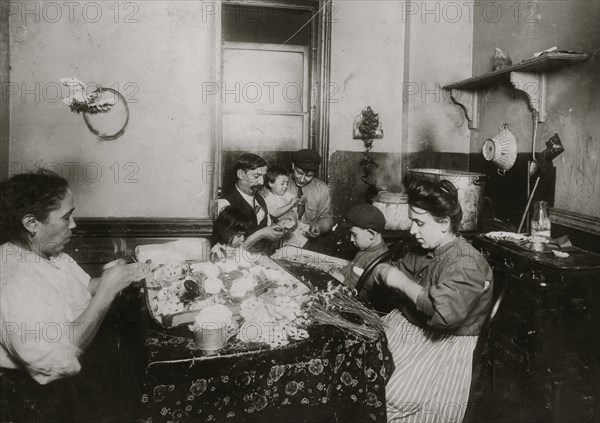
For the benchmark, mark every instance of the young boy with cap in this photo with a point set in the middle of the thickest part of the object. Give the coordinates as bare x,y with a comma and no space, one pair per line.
366,222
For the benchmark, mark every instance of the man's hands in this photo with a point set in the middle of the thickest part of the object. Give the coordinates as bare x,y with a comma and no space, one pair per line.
272,233
313,231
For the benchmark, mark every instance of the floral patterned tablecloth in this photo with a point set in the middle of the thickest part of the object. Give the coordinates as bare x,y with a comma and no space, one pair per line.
330,373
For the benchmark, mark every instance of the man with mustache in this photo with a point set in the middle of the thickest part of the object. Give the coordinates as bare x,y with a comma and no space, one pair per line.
250,170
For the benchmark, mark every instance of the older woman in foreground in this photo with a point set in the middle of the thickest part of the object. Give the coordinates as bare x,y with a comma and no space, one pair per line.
50,309
447,291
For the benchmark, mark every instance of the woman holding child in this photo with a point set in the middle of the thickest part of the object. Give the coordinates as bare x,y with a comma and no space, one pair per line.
447,290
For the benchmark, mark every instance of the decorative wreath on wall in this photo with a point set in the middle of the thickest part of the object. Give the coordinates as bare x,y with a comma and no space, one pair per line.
105,111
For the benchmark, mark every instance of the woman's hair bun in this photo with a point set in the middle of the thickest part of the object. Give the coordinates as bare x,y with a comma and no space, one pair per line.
438,197
449,188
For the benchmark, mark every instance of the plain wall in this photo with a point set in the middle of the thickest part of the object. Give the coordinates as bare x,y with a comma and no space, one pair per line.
572,93
158,55
367,62
4,83
439,51
395,57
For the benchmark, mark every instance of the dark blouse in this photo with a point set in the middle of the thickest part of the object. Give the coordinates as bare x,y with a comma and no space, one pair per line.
458,286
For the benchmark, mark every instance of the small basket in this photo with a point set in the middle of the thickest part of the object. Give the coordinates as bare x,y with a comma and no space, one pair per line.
501,149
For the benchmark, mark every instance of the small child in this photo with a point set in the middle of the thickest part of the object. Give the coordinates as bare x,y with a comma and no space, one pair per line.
229,231
366,222
283,205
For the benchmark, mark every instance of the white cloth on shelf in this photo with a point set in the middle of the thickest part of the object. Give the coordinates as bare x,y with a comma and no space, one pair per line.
175,251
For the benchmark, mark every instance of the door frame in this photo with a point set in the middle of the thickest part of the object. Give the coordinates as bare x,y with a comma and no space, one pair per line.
319,79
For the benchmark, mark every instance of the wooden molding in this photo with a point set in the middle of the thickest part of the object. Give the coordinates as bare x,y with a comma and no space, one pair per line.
5,103
100,240
574,220
322,73
93,227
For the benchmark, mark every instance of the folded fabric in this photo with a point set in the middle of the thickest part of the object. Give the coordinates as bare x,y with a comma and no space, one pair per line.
178,251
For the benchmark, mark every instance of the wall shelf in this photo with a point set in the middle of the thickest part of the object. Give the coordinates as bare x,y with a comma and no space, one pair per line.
528,76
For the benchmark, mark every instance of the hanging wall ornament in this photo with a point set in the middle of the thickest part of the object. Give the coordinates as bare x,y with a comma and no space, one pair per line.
367,127
105,111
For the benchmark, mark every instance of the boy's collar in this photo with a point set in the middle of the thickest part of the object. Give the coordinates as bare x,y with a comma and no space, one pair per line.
375,244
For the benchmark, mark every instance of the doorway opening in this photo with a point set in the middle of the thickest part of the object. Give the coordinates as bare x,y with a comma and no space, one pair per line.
274,63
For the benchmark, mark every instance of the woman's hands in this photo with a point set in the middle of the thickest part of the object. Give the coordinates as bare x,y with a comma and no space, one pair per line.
116,277
392,277
119,277
381,274
395,278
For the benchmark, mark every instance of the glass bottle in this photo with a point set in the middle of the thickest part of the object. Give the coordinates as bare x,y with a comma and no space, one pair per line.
540,222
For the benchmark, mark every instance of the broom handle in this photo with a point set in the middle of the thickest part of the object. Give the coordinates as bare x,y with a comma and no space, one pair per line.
528,204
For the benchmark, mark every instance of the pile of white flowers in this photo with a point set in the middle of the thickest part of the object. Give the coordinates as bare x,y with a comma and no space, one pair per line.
272,319
269,299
